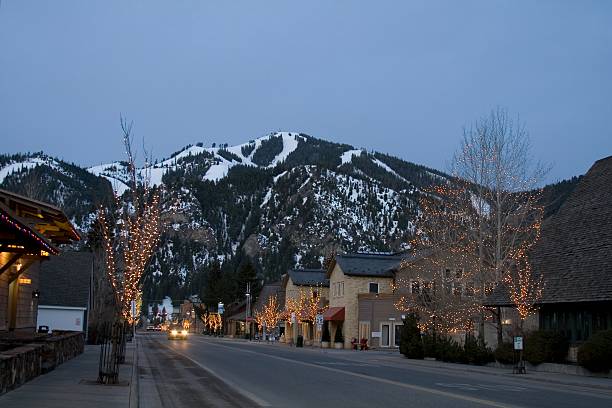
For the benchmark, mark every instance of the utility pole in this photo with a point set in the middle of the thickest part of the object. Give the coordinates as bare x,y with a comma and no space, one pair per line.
248,309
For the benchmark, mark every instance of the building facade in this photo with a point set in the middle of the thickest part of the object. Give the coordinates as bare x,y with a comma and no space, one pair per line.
352,276
30,231
66,291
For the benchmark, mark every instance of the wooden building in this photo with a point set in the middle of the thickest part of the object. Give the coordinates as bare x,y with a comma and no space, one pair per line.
30,231
574,258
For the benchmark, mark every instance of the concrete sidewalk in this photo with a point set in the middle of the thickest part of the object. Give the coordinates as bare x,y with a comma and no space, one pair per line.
73,384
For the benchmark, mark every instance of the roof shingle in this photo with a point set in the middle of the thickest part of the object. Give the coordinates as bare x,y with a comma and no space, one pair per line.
574,254
65,280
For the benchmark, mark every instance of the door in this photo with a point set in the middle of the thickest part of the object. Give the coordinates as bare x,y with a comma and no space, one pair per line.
385,335
397,334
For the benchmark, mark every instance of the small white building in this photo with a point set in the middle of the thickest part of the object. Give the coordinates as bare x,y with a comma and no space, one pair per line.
65,291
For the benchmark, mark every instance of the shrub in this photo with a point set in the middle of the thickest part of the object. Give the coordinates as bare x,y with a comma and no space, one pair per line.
338,336
505,353
325,335
596,353
545,347
477,353
429,346
449,350
411,345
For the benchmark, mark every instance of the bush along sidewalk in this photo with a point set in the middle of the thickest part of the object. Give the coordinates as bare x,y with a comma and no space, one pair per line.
596,353
415,345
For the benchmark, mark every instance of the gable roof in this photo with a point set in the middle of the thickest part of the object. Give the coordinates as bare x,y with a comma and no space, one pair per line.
369,264
65,280
308,277
574,253
269,290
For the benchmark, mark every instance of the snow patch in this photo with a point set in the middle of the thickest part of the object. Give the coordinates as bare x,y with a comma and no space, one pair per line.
347,156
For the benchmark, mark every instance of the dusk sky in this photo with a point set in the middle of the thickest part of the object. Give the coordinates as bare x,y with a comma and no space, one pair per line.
400,77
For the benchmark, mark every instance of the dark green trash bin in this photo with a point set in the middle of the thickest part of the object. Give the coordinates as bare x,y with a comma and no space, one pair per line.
300,341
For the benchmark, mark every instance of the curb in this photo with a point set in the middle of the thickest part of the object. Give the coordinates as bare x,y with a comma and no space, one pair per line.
134,385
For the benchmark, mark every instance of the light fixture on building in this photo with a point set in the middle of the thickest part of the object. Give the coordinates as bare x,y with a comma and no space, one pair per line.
35,294
507,321
25,281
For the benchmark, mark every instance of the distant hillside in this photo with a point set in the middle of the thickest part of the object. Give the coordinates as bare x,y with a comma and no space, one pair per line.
283,200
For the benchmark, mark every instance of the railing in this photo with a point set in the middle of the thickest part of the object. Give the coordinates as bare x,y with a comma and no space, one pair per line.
112,352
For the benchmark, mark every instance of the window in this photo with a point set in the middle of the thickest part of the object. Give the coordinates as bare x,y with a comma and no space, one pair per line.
373,287
341,288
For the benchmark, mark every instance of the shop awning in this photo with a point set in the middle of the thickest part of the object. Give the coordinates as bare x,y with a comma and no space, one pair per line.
334,314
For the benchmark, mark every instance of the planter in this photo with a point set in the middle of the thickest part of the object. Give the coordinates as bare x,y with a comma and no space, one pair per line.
308,342
338,345
325,344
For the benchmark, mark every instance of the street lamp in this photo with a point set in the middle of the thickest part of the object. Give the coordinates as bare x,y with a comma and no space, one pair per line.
248,309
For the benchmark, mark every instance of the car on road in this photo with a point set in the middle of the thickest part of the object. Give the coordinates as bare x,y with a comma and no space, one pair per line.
177,332
150,327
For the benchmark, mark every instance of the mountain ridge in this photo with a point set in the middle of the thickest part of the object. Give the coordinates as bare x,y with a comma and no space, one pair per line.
281,201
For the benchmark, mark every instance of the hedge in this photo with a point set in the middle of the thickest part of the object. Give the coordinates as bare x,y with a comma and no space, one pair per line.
596,353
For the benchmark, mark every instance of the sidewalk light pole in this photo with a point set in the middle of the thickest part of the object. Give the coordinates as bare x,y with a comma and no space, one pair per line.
248,309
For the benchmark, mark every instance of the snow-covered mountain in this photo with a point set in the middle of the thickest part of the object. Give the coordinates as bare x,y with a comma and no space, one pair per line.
283,200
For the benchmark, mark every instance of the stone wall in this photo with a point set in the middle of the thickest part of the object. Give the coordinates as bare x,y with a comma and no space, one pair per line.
21,364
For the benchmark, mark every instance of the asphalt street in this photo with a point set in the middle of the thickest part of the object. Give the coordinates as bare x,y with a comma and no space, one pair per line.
205,371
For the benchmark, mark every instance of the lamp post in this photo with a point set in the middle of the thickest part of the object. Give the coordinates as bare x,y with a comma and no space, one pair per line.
248,309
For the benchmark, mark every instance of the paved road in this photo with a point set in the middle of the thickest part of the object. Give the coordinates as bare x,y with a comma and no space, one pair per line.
204,371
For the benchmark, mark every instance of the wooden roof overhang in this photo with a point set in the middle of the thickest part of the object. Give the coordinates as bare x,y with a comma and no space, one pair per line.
46,219
17,237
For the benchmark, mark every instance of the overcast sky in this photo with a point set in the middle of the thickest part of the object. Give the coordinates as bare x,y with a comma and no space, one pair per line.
401,77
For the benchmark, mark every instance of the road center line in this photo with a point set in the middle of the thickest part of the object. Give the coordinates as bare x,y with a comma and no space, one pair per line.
368,377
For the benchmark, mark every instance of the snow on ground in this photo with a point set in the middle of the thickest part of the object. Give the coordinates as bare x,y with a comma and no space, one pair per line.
480,205
290,143
266,198
389,169
118,186
217,171
279,176
13,167
347,156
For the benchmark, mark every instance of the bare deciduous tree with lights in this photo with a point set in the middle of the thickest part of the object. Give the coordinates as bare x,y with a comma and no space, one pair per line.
488,216
130,233
495,159
269,315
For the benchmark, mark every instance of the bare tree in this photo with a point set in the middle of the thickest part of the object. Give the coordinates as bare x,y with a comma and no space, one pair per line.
130,233
494,161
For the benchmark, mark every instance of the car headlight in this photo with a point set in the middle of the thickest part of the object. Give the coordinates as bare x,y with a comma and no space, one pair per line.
184,332
174,332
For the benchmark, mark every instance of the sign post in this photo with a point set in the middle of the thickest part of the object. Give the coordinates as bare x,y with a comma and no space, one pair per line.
133,318
519,368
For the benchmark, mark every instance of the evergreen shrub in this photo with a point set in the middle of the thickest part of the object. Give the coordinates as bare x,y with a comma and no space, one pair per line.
325,335
504,353
411,345
596,353
545,347
338,336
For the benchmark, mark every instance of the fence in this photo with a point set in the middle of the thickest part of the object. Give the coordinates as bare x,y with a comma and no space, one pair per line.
113,339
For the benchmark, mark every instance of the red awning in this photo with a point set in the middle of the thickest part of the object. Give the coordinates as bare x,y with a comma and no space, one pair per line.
335,314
